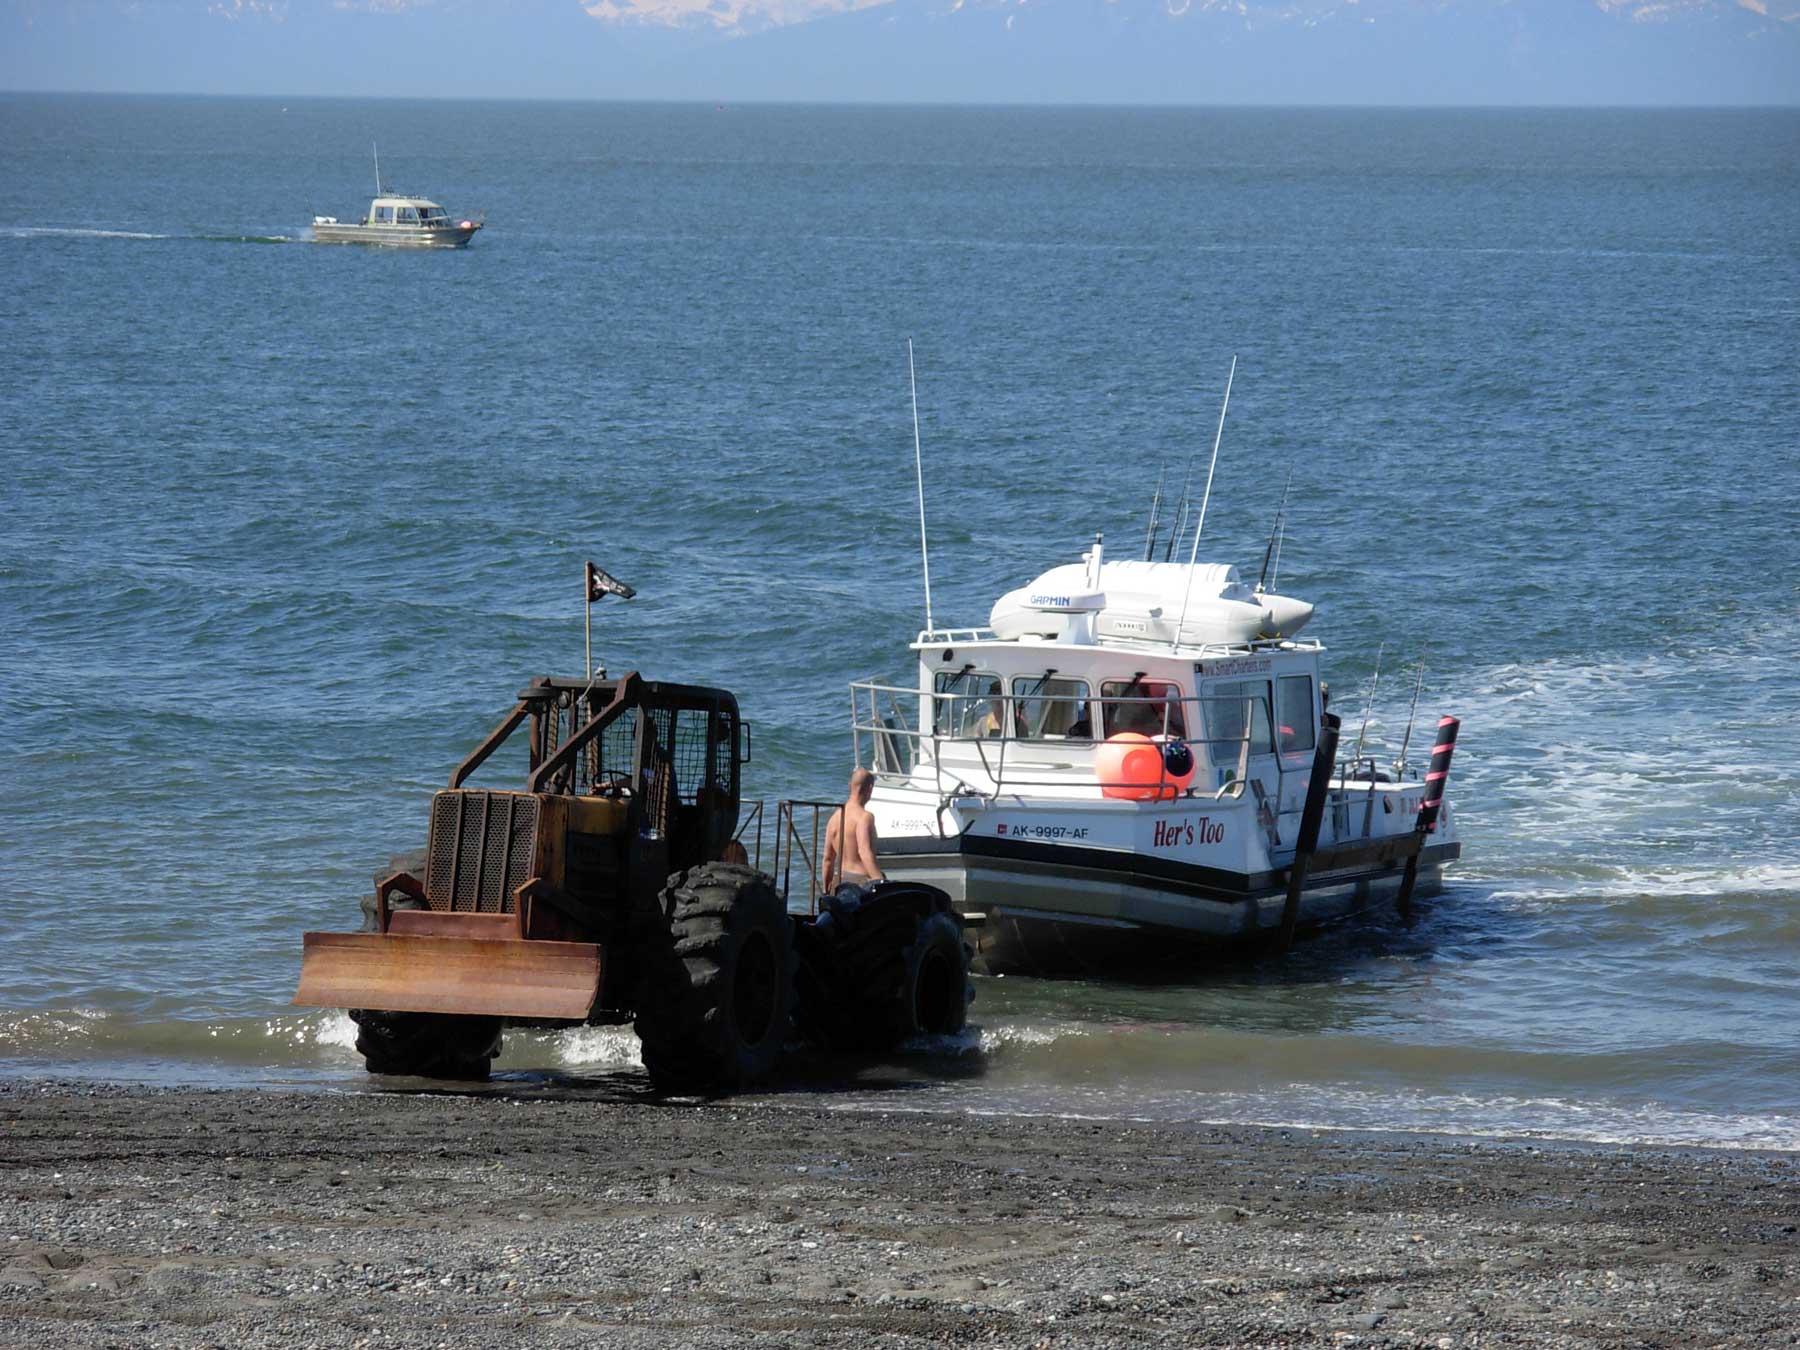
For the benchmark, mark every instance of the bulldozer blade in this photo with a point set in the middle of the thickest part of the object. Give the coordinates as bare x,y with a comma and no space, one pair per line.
491,977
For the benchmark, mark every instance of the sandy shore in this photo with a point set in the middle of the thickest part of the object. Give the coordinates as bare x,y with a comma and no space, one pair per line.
595,1216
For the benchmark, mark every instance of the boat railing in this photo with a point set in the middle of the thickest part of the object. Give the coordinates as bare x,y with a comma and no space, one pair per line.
934,637
1001,739
961,637
792,842
1208,650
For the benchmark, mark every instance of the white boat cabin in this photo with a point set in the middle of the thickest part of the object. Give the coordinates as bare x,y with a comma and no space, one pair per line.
1081,667
408,211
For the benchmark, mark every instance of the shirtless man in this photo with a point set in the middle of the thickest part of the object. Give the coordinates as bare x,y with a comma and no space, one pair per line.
850,839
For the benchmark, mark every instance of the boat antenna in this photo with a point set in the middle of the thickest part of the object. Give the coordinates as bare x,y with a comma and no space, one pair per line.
376,150
919,469
1155,507
1272,550
1369,708
1188,590
1400,760
1280,539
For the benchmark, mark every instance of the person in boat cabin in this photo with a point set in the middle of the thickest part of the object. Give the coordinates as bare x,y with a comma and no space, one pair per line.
850,839
991,722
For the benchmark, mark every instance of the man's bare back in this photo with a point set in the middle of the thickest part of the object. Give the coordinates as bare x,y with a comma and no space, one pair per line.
850,838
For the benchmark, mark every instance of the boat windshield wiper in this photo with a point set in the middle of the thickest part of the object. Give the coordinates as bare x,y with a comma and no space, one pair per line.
957,679
1037,688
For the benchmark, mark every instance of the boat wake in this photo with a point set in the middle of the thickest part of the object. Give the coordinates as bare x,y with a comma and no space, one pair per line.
72,232
83,232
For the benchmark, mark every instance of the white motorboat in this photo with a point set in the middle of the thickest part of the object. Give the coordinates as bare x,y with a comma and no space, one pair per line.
405,222
397,221
1119,764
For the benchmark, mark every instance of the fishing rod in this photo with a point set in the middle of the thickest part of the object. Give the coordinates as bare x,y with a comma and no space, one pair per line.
1369,709
1400,761
1280,539
1181,514
1275,530
1155,508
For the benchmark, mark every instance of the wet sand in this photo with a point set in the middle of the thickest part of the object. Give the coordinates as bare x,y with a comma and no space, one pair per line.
593,1214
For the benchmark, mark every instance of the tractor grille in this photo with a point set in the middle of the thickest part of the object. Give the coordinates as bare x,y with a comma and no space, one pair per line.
481,849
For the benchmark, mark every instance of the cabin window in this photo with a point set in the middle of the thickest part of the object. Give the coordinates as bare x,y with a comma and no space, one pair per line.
1231,707
384,215
408,216
1294,713
1051,709
969,705
432,213
1151,707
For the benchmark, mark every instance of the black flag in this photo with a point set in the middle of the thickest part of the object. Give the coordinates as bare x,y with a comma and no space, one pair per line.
599,584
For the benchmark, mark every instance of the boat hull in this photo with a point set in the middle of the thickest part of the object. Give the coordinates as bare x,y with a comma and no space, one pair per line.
1049,909
394,236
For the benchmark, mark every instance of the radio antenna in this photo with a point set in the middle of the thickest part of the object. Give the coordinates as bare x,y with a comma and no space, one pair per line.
1213,467
1274,548
919,469
1194,552
376,151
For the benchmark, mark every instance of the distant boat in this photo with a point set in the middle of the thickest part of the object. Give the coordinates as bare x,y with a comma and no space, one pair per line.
405,222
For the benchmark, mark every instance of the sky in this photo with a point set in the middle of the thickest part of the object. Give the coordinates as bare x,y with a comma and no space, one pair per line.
1285,52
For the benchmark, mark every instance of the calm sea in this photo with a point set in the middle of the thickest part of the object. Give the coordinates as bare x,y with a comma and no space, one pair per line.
286,525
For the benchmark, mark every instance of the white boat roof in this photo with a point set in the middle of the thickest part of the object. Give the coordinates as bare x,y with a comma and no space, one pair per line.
402,201
1201,609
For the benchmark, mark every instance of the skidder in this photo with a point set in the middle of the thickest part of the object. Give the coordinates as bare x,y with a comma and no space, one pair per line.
602,893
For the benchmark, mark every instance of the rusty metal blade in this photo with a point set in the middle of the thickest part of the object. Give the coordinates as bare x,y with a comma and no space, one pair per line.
495,977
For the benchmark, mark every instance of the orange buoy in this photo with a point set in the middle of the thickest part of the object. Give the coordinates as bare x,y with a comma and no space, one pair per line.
1130,766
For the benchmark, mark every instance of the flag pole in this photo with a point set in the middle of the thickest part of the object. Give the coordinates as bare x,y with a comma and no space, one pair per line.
587,625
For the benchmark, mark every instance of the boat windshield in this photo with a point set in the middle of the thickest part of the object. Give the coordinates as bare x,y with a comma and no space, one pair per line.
1294,713
1151,707
433,214
1052,709
968,704
1237,705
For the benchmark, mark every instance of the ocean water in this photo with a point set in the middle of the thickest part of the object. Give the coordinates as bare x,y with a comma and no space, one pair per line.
285,526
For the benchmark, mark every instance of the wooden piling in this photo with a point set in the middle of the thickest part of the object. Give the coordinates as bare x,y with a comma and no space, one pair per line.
1317,787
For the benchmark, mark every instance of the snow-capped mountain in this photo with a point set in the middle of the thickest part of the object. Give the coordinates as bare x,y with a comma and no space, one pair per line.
1095,51
756,15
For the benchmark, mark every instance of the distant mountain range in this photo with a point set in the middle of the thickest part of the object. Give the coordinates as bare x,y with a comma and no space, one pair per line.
1095,51
743,16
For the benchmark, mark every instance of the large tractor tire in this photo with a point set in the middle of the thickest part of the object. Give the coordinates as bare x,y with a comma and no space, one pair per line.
718,1002
883,967
421,1045
427,1045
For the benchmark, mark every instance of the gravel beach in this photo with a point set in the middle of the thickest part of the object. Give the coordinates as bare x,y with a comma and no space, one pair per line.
592,1214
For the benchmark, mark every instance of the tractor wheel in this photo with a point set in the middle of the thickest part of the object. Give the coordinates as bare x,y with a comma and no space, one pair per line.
422,1045
900,971
427,1045
718,1002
